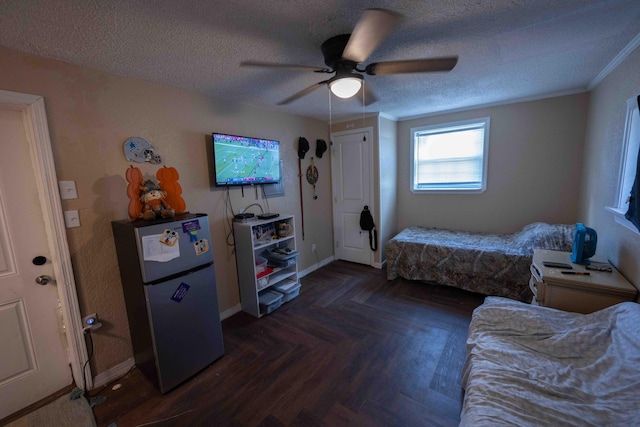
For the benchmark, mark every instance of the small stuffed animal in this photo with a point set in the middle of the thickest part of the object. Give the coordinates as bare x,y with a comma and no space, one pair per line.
153,200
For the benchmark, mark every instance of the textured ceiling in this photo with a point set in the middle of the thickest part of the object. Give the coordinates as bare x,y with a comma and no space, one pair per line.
508,49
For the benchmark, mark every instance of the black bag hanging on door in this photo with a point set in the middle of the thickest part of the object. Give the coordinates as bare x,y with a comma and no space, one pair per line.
367,224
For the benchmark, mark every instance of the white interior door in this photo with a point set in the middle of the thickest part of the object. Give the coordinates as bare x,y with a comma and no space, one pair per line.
352,183
33,354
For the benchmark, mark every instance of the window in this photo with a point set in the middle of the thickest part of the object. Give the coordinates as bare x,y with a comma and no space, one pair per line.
451,157
628,163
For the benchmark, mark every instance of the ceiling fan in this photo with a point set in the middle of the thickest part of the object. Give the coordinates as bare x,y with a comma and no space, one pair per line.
344,53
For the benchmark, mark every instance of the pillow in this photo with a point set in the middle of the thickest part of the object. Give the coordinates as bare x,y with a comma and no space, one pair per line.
556,237
540,235
526,237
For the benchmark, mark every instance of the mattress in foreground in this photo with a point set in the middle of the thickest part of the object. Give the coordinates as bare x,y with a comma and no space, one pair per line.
533,366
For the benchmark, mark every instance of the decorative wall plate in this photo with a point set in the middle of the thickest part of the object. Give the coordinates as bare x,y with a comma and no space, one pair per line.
139,150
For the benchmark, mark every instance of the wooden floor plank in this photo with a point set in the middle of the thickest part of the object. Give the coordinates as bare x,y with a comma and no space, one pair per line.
352,349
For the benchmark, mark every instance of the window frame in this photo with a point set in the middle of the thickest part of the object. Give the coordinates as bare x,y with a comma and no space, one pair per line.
485,122
628,159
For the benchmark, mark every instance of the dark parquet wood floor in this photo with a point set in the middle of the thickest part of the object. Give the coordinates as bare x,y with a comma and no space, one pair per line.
352,349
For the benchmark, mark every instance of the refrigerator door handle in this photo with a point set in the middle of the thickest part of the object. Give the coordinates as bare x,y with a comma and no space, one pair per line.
182,273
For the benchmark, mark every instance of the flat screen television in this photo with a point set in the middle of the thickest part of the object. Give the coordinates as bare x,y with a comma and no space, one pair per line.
242,160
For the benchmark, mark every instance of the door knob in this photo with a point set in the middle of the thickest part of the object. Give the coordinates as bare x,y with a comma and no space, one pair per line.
43,280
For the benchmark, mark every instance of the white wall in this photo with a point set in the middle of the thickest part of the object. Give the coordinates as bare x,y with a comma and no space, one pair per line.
535,162
602,156
388,160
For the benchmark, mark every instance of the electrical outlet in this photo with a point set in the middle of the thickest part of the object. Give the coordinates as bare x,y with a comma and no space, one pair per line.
314,248
90,322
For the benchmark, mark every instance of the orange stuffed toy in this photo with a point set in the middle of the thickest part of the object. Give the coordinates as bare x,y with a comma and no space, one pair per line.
154,203
164,204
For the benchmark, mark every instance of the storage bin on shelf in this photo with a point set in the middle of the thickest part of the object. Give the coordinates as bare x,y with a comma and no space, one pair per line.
263,233
261,265
262,282
288,290
281,257
282,263
269,301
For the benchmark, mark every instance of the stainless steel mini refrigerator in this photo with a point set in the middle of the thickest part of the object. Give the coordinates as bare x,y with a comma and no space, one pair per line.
169,285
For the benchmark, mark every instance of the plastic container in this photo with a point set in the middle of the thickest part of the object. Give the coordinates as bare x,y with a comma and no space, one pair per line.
261,264
280,254
283,263
263,283
269,301
288,290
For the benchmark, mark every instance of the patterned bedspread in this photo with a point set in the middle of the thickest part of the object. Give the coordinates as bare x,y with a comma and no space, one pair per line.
490,264
536,366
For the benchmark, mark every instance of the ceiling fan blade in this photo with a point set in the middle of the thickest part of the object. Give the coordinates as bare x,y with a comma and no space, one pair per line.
288,66
412,66
302,93
372,28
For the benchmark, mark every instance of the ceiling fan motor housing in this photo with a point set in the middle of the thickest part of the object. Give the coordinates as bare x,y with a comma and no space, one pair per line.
332,50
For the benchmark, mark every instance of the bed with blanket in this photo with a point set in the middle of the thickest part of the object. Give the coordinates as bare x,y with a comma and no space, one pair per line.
490,264
531,366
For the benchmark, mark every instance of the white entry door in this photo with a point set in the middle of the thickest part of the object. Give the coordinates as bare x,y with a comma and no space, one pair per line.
34,361
352,189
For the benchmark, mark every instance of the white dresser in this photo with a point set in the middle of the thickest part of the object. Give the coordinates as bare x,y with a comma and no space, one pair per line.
579,292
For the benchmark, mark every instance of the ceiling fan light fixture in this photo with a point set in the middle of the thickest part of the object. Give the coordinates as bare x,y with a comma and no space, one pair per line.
346,87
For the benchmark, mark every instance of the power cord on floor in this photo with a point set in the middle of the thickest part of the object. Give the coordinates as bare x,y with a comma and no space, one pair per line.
77,393
93,399
87,333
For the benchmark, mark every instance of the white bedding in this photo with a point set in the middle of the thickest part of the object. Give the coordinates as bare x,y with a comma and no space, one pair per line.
532,366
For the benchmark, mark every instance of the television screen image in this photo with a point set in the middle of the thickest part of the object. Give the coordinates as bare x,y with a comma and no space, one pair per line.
241,160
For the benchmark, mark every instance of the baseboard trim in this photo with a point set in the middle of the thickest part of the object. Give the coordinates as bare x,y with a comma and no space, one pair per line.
113,373
315,266
231,311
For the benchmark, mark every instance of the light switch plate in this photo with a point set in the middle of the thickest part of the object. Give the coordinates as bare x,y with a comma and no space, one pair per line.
68,190
71,219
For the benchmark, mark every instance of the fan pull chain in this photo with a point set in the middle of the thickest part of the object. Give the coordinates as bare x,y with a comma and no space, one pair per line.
330,124
364,137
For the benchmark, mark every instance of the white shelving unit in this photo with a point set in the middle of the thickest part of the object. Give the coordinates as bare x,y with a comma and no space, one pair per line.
252,239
